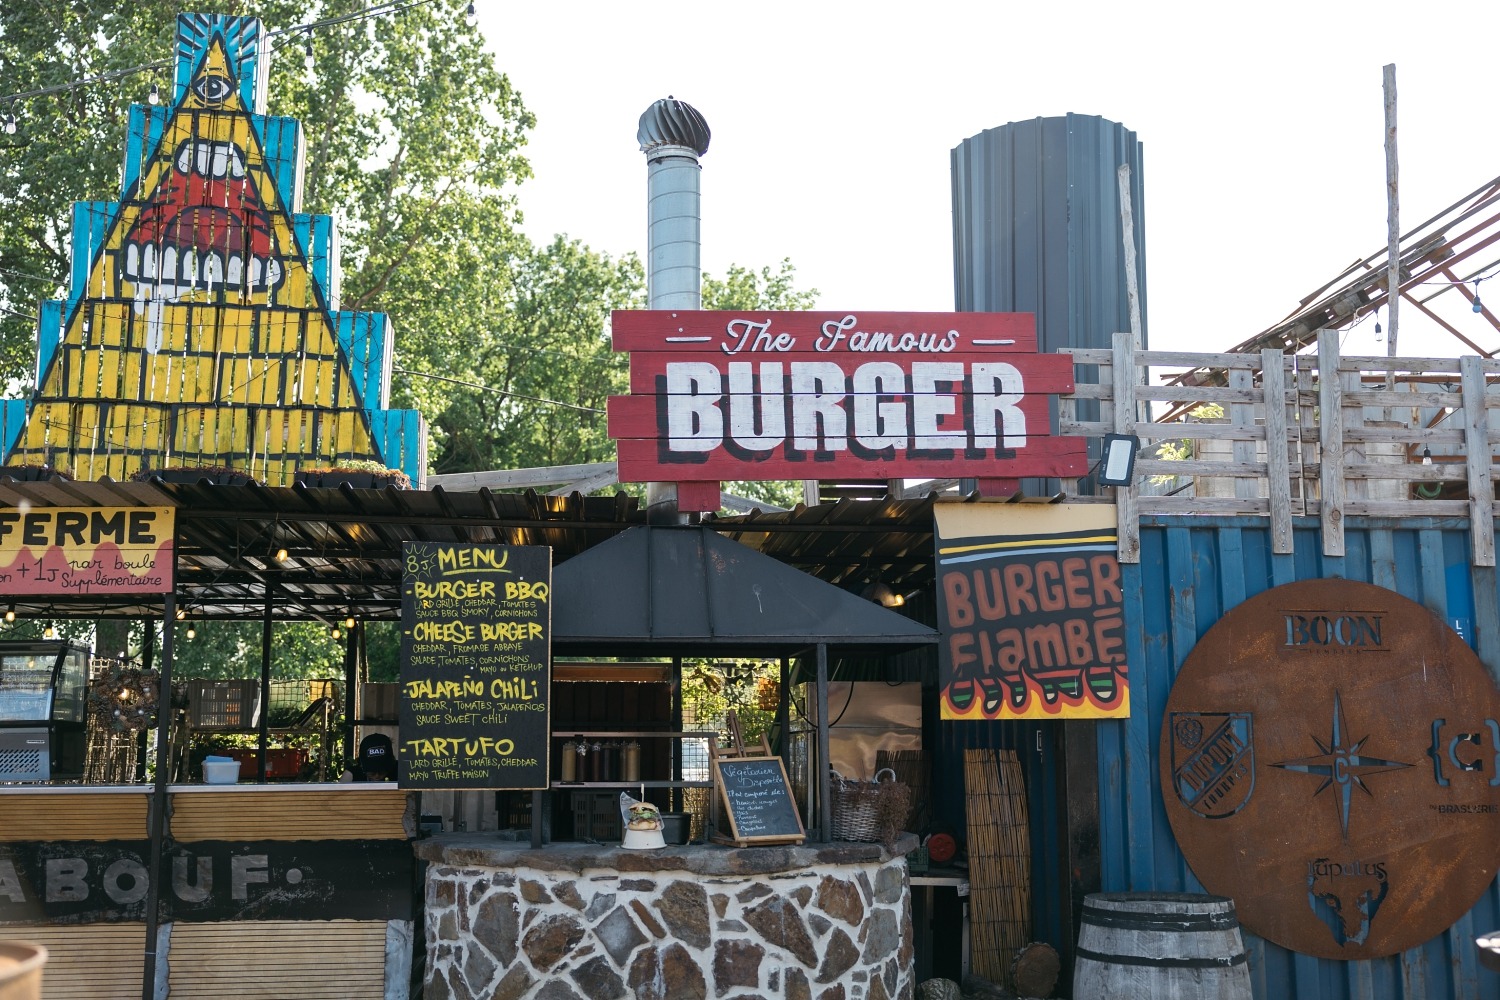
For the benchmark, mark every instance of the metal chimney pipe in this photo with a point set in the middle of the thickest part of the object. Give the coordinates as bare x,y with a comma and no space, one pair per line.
673,135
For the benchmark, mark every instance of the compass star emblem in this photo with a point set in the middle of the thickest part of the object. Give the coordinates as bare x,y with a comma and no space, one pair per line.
1341,764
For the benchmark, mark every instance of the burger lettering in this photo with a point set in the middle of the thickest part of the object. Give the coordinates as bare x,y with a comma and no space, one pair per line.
815,406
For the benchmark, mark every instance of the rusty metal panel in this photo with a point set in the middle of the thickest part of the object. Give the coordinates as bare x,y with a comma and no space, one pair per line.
1193,572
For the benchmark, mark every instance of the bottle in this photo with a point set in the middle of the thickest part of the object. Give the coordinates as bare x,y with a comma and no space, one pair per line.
582,752
596,761
632,762
570,761
612,761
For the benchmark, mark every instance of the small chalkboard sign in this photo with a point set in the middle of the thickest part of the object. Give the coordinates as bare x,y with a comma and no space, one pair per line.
757,800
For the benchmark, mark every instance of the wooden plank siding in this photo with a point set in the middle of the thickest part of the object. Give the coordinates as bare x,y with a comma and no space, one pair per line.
277,960
45,816
89,961
1354,442
292,814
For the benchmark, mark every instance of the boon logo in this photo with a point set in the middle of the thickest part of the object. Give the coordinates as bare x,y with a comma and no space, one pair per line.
1335,631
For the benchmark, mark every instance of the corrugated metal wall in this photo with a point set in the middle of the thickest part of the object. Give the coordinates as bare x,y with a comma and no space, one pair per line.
1036,226
1192,571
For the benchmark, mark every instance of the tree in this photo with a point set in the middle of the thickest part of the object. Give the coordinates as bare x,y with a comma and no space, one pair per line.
743,288
414,138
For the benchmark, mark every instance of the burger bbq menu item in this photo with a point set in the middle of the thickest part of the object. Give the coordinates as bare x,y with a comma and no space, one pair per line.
476,633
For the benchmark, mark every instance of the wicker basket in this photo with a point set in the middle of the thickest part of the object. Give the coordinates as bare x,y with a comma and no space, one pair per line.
869,810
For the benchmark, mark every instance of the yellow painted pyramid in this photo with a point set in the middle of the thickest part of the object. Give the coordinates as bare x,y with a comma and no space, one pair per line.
203,334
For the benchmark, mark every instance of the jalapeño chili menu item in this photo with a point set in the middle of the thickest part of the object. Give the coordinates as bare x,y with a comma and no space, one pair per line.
476,634
757,799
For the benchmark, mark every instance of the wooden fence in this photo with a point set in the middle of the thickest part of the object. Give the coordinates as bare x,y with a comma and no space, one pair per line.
1287,435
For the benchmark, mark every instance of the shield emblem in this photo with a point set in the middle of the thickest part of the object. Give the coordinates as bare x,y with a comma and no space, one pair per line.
1213,762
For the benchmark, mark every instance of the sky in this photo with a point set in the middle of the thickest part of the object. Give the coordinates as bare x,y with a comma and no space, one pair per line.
833,124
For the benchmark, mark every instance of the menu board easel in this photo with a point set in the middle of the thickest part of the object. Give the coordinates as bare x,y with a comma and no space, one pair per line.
755,792
476,637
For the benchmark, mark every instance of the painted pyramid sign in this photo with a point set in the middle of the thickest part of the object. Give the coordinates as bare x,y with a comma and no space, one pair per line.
202,326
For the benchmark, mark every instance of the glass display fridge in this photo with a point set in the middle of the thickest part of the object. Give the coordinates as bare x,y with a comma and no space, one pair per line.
43,706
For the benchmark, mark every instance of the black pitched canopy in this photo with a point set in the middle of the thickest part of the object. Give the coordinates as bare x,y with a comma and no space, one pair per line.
664,589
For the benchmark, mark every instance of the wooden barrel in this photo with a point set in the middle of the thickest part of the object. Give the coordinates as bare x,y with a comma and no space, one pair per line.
1164,945
21,970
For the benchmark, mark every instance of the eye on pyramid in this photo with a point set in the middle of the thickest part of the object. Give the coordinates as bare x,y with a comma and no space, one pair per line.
202,327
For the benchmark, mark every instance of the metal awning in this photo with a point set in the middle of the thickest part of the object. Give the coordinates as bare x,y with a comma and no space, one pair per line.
658,589
343,546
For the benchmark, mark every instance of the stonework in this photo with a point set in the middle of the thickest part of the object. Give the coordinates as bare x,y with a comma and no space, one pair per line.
837,931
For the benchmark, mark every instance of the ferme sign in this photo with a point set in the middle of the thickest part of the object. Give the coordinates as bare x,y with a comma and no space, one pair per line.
86,550
719,395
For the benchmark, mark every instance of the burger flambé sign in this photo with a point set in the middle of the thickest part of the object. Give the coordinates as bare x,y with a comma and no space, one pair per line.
818,395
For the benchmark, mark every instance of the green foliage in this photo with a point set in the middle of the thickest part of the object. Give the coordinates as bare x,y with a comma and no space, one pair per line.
711,689
221,650
1180,450
743,288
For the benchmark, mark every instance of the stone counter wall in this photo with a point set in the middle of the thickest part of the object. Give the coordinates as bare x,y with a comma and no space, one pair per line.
837,932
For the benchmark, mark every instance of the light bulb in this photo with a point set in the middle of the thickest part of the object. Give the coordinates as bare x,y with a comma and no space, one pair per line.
307,52
181,613
1478,306
349,622
281,555
334,632
10,123
155,96
192,632
10,615
1426,455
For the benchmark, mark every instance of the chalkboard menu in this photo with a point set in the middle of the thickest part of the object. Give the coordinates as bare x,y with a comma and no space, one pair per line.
476,633
757,799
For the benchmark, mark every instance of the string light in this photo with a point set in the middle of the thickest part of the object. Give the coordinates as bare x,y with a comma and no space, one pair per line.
181,614
281,555
1478,306
155,96
307,51
469,14
334,632
50,632
10,614
192,633
349,622
10,120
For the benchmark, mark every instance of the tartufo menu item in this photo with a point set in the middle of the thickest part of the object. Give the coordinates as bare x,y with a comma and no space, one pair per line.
758,799
476,634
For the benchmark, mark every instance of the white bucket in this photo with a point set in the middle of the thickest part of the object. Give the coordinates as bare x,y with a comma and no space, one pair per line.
221,772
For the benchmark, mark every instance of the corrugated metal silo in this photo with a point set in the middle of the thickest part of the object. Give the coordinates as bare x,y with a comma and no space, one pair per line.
1037,226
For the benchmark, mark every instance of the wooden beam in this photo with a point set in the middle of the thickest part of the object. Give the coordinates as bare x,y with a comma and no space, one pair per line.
520,478
1331,440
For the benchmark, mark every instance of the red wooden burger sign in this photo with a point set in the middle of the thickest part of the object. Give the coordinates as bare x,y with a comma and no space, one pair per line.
819,395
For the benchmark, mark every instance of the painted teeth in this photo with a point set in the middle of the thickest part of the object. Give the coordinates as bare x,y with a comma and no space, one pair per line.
214,160
178,271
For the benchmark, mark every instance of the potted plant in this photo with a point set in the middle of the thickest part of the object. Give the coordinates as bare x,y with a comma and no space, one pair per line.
357,473
216,475
34,473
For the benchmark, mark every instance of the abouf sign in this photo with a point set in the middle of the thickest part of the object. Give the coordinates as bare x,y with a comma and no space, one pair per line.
816,395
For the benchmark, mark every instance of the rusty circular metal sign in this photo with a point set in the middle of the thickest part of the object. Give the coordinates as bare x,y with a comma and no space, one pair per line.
1330,759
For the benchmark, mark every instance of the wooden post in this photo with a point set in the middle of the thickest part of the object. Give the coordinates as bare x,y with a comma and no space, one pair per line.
1278,465
824,781
1127,517
1392,218
1331,443
1478,457
1127,232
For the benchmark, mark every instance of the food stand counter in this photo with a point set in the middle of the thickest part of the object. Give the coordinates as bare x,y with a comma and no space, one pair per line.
267,890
